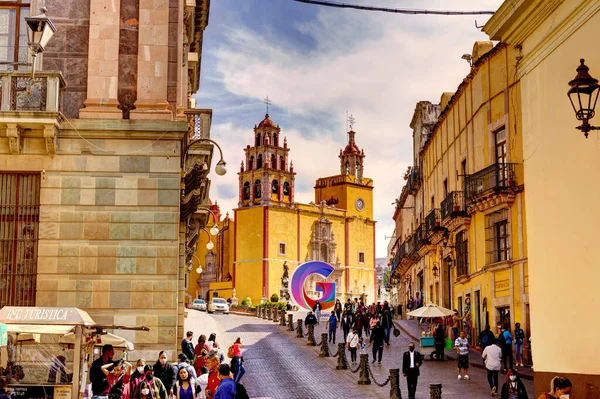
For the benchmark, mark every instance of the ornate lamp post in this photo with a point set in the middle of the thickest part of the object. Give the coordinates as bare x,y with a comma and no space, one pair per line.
583,95
40,30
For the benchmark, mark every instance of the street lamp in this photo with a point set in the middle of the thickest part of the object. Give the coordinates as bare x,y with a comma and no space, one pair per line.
214,230
435,269
221,167
40,30
583,95
209,244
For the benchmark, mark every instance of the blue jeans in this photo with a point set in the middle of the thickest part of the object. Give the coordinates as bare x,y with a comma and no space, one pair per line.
387,335
454,334
239,372
519,351
332,332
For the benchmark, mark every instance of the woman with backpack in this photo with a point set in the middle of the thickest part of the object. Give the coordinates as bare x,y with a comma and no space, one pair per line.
237,361
505,340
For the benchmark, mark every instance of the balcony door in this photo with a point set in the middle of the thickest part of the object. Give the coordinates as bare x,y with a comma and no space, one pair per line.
501,156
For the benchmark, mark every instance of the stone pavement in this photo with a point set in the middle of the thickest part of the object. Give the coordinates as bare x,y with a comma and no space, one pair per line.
282,366
411,328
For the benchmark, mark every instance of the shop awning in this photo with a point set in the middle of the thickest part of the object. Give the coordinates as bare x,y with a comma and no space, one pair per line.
45,316
38,329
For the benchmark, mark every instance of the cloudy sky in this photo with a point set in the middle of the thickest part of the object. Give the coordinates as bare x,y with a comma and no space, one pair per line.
315,63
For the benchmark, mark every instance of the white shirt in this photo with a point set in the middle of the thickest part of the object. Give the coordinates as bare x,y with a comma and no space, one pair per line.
463,345
352,340
492,355
412,359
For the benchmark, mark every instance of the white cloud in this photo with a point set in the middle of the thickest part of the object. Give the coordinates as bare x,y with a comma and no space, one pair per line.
376,65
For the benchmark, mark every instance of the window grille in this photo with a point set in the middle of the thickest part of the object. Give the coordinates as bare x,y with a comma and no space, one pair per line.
497,236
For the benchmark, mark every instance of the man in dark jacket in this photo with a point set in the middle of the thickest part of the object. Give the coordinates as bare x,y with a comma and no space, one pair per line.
486,337
97,376
346,322
440,342
165,371
411,361
187,346
310,319
386,324
377,340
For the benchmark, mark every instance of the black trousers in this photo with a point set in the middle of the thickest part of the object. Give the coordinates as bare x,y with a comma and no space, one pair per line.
377,350
332,332
507,354
346,332
352,354
411,382
493,378
439,351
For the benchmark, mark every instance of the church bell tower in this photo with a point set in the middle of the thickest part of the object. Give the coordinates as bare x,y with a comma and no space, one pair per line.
266,176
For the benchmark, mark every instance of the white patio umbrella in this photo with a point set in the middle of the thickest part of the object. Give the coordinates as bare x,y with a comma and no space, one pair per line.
108,338
431,310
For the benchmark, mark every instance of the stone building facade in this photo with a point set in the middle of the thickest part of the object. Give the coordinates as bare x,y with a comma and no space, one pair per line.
103,177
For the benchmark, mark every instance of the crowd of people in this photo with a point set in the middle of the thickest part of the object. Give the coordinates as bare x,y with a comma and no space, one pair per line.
200,372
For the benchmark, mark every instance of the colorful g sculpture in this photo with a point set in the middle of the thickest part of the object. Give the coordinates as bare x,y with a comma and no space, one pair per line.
327,290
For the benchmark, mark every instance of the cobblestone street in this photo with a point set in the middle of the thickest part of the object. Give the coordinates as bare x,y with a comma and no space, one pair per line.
279,365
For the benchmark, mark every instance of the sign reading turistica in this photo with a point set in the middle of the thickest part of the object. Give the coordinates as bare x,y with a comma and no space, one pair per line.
44,315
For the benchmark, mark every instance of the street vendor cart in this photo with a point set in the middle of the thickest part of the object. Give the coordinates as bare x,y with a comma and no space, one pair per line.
427,315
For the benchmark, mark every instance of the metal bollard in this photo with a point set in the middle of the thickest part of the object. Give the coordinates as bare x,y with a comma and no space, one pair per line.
290,322
324,347
395,384
364,378
270,313
282,318
342,363
311,335
299,333
435,391
276,315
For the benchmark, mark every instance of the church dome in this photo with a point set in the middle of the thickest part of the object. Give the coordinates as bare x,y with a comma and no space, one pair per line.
267,122
351,148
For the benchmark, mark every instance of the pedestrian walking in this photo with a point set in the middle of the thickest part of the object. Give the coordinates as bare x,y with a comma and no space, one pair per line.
519,338
137,376
118,379
439,340
151,387
187,346
165,372
226,388
203,382
366,322
461,345
331,326
513,387
387,324
186,387
200,351
352,344
237,362
492,358
485,338
183,361
346,323
317,309
144,391
506,339
411,361
310,319
337,308
216,350
97,377
560,388
377,341
358,323
213,377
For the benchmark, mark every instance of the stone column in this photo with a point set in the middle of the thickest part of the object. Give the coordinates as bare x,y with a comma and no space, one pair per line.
103,61
153,60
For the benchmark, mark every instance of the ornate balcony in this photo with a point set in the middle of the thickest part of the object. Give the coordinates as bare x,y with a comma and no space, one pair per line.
454,205
414,180
433,223
491,186
32,103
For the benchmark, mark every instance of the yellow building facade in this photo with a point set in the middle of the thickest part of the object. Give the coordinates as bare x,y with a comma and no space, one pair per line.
464,243
547,39
271,229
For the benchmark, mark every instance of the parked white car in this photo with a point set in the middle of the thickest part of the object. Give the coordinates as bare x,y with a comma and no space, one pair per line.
218,305
199,304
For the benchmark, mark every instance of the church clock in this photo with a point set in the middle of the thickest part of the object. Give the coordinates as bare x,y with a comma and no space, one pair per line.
360,204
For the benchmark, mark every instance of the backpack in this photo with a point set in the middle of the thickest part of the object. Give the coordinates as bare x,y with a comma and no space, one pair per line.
231,352
240,392
485,339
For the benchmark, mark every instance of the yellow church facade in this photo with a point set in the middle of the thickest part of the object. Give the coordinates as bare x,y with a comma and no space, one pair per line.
271,229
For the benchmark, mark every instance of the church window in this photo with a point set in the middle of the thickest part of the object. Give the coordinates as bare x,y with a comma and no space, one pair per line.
258,139
361,257
251,163
273,161
286,188
275,139
275,186
281,163
257,189
324,253
259,162
282,249
246,191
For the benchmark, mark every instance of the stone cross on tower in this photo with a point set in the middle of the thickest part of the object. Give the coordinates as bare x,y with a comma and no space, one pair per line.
351,121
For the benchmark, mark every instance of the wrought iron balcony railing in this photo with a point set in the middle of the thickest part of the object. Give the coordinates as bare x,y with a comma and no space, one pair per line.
454,205
433,222
21,92
498,177
414,180
420,236
411,245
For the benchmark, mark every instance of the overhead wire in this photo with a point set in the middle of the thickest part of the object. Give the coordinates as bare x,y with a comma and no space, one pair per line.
393,10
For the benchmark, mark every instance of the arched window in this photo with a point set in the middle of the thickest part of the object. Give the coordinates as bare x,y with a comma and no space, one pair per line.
273,161
324,253
251,163
281,163
275,139
286,188
258,139
267,139
246,194
257,189
259,162
275,186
